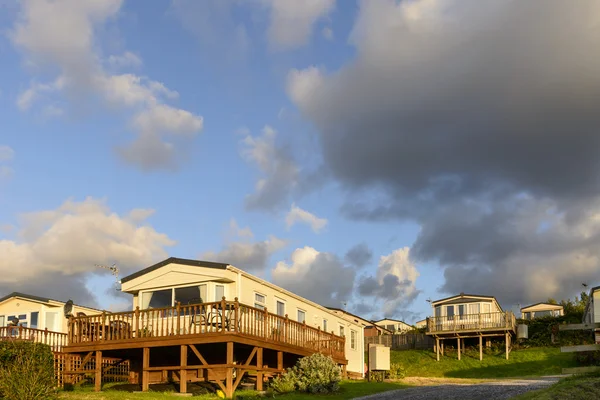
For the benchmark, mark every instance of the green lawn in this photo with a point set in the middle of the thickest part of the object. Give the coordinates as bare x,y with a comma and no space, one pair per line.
348,390
522,363
578,387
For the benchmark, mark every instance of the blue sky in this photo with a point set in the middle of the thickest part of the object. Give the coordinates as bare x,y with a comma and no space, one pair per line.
279,136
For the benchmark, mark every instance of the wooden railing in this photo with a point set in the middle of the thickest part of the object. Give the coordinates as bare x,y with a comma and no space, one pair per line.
197,319
56,340
472,322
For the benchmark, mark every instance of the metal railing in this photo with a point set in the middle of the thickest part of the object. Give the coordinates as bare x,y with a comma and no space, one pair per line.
198,319
472,322
56,340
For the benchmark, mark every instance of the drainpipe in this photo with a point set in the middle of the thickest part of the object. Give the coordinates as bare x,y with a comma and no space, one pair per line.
239,286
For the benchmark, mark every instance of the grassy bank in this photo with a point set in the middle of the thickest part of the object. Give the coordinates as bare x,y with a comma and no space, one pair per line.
522,363
348,390
579,387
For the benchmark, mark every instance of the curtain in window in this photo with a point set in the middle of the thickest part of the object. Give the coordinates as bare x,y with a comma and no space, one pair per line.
203,293
219,292
146,298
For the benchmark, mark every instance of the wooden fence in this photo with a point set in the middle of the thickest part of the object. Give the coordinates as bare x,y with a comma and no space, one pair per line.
114,370
408,341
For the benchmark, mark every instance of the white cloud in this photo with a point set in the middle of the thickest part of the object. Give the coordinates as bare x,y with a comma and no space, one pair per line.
302,84
318,276
243,252
395,282
57,249
327,33
127,59
6,172
298,215
60,34
292,22
166,119
280,174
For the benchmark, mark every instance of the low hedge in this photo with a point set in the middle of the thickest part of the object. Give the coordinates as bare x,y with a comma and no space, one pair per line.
26,371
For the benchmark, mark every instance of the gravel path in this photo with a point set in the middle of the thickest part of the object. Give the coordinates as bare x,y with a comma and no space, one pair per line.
488,391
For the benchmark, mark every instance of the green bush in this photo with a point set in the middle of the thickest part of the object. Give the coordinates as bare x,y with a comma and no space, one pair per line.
26,371
284,383
314,374
588,358
396,371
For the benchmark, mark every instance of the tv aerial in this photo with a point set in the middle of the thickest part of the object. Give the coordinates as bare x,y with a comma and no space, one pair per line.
114,271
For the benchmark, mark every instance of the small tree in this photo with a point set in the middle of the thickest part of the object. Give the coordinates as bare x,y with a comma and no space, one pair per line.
26,371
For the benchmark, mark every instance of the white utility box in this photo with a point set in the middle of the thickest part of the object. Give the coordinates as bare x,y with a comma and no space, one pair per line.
379,357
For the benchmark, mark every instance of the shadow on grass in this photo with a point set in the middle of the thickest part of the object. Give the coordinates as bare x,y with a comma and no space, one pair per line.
194,388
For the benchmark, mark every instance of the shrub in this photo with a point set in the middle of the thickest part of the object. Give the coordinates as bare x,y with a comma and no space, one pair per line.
314,374
588,358
285,383
26,371
318,374
396,371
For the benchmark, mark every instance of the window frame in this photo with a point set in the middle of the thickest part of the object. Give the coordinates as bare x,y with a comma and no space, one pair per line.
299,310
353,339
210,288
341,330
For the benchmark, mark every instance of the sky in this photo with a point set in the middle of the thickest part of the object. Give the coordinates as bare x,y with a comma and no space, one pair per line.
370,155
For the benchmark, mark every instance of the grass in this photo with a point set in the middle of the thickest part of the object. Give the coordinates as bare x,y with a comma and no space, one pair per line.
348,390
522,363
577,387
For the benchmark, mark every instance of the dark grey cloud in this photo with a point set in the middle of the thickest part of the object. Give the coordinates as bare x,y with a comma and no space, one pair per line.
479,120
359,255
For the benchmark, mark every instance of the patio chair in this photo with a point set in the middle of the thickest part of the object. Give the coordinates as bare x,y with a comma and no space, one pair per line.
201,319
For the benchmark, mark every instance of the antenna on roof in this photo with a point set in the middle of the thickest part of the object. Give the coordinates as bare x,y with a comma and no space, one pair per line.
585,285
114,270
428,300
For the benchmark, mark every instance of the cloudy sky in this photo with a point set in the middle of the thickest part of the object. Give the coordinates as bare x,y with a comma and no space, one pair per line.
365,154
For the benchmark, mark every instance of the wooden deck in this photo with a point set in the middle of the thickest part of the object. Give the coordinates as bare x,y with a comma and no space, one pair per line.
201,342
56,340
471,323
470,326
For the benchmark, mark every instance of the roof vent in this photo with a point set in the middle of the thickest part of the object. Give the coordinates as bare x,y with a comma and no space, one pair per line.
462,294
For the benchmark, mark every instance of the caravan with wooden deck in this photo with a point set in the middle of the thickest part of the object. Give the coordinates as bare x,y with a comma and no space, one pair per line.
468,316
203,321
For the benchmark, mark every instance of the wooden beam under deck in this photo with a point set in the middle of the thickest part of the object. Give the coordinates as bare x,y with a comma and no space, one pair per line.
204,338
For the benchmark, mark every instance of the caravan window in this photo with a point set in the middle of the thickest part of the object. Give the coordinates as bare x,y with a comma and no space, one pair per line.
33,320
157,299
474,308
438,311
2,321
191,295
450,312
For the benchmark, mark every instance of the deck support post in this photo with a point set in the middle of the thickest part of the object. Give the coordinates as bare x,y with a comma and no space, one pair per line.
280,360
507,338
229,376
183,370
437,348
442,349
458,341
145,372
259,368
480,348
98,375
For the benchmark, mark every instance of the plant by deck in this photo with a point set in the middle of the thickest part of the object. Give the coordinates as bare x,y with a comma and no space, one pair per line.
26,371
314,374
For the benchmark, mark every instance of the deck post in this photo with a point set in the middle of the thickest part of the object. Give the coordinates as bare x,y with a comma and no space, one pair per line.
442,349
280,360
458,341
480,348
145,372
183,370
229,377
98,374
259,368
437,348
507,339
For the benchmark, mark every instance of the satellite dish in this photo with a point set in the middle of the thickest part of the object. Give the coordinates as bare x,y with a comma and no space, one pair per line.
68,308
